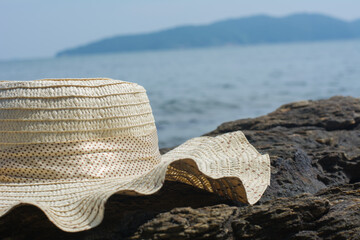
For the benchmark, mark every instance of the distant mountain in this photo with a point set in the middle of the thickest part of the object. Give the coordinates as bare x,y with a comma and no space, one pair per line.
355,26
249,30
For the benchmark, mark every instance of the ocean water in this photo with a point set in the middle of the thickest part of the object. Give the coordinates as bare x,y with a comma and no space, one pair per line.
193,91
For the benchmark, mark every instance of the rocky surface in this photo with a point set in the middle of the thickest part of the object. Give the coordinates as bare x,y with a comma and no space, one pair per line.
314,194
312,144
332,213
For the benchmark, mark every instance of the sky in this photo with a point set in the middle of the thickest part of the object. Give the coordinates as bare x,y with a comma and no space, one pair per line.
40,28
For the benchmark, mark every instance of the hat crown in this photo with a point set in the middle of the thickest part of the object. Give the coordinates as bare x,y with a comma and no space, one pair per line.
67,110
75,128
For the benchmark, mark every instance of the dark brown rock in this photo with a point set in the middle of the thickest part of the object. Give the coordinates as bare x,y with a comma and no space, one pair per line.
189,223
333,213
335,113
312,144
314,194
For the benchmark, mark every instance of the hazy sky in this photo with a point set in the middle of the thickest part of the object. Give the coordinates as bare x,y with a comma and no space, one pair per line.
40,28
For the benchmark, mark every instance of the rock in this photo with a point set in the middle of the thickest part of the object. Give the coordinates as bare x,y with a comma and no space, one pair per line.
312,144
333,213
330,214
336,113
189,223
314,194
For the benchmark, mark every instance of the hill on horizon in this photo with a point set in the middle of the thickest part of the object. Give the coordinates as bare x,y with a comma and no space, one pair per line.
240,31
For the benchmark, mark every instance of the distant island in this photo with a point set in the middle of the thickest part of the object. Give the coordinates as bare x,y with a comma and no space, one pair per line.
249,30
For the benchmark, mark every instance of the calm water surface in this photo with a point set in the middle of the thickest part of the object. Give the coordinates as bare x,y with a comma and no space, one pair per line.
193,91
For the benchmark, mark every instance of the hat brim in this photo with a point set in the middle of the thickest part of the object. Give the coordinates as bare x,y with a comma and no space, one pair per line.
226,164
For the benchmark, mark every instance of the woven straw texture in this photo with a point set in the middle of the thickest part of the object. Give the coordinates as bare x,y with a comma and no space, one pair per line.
67,145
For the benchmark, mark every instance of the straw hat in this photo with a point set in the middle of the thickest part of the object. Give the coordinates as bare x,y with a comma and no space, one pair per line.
67,145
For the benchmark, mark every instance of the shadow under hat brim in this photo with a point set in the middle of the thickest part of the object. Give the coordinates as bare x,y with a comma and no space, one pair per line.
214,164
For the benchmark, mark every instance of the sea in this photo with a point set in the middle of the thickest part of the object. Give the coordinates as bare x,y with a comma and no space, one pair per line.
192,91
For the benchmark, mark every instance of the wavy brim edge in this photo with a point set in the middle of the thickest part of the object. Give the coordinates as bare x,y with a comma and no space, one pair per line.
227,165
